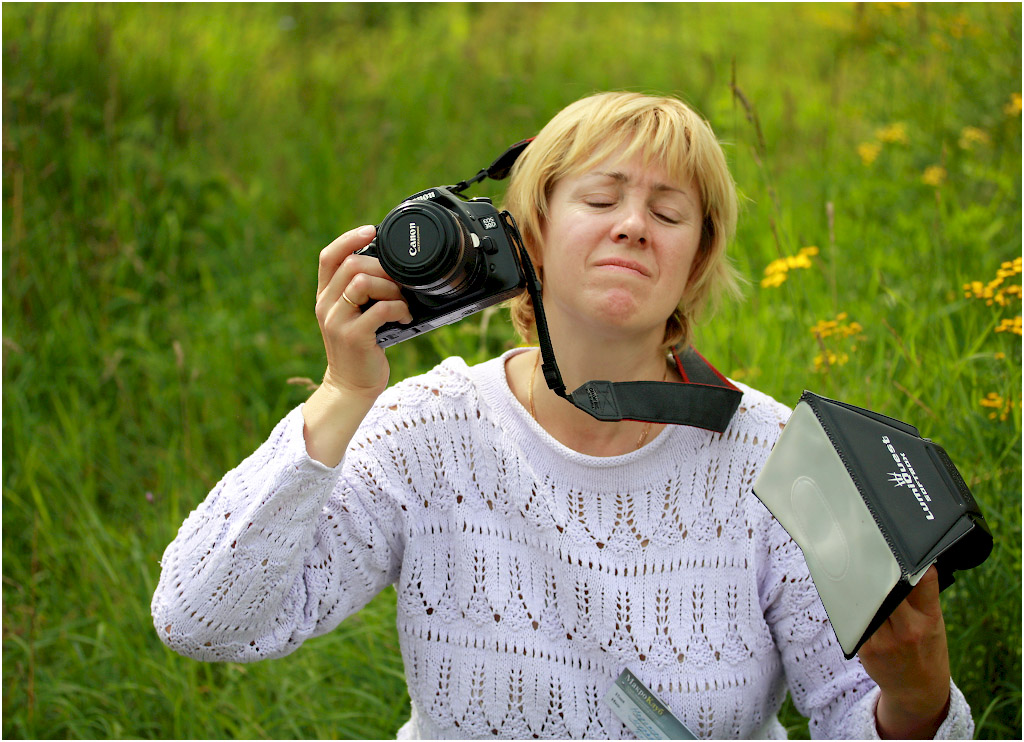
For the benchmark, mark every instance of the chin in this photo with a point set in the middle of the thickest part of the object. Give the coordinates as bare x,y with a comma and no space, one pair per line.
612,309
623,316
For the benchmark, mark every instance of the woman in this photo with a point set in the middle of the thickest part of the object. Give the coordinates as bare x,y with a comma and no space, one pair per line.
537,552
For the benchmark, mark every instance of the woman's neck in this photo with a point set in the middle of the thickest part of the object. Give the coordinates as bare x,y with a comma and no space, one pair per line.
584,355
579,362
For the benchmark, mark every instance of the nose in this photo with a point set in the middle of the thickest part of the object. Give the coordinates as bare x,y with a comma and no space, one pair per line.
631,227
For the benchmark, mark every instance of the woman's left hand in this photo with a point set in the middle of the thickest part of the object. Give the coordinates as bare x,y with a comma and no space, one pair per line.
907,656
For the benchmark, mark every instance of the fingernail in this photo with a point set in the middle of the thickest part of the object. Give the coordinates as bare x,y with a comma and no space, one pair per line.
367,230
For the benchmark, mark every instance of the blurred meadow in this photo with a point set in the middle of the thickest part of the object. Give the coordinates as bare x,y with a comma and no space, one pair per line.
170,173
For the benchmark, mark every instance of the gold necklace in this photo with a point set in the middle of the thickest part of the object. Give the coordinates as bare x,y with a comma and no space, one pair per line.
533,409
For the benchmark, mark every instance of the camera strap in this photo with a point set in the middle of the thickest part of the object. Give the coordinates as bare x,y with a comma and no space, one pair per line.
498,170
705,399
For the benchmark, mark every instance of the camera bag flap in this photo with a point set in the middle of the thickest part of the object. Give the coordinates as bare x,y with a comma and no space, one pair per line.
872,505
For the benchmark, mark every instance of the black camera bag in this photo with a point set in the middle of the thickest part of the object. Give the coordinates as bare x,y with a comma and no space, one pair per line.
872,505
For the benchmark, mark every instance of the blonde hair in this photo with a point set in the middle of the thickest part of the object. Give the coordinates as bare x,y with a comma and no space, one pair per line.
663,130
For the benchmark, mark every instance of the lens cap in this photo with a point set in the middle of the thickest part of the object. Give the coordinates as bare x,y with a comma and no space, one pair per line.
423,247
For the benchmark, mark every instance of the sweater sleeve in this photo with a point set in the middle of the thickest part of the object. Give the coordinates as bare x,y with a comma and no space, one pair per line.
836,694
281,550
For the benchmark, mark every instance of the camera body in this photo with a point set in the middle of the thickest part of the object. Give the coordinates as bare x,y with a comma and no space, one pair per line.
451,256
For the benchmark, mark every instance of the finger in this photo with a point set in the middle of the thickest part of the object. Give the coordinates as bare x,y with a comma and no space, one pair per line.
358,289
335,253
925,595
350,267
920,612
360,330
386,311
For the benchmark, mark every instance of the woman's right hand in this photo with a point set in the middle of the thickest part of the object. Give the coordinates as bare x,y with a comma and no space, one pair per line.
357,370
345,283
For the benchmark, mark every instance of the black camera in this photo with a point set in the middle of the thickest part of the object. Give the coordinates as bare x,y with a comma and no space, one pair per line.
451,256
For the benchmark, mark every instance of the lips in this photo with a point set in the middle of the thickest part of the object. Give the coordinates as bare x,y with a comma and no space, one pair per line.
625,263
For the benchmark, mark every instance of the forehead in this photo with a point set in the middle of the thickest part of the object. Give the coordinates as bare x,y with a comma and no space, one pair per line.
631,161
632,176
623,169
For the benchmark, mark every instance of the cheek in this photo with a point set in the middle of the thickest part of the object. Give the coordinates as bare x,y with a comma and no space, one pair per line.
691,255
697,265
535,243
552,242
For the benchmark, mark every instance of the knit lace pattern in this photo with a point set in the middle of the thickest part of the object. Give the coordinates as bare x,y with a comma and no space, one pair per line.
528,575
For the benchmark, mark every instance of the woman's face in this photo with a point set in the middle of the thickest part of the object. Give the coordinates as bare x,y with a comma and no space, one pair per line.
618,246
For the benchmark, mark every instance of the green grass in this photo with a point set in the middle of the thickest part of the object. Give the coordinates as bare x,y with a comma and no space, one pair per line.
171,172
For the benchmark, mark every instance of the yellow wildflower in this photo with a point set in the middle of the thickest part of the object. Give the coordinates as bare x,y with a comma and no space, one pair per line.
934,175
776,271
1010,292
971,135
893,133
868,152
959,26
835,352
1009,268
798,261
1010,325
826,360
995,291
1013,107
838,327
824,328
1000,407
991,400
979,290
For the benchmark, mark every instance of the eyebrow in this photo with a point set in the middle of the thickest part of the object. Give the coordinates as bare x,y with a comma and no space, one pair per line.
623,178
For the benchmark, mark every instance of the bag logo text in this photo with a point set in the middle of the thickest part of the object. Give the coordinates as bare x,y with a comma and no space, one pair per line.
907,477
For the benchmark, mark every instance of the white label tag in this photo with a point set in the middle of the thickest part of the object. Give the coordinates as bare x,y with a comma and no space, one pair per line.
642,711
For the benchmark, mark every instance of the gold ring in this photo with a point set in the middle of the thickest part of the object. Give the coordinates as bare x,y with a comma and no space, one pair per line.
343,296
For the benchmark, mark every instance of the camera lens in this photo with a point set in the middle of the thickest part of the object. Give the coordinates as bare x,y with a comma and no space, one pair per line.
425,248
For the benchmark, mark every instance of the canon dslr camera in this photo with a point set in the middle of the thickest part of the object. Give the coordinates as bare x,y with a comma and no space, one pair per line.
451,256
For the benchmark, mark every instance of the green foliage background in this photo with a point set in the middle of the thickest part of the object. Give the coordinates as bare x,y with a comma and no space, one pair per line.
171,172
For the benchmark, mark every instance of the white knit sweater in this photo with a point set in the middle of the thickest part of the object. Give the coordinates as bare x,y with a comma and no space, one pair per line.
528,575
